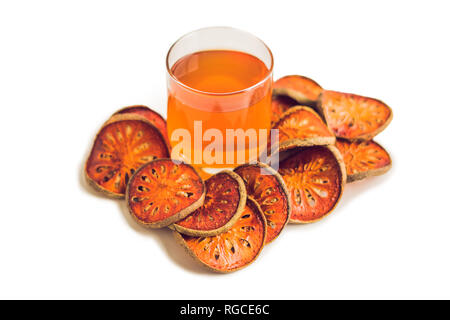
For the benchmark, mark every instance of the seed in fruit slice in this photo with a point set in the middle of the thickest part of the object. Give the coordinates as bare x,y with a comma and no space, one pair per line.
280,104
354,117
154,117
234,249
363,159
267,187
302,89
224,201
124,143
163,192
315,178
303,124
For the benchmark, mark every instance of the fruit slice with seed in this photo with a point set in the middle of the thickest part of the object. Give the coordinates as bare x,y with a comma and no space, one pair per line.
163,192
234,249
315,178
280,104
224,201
302,89
154,117
267,187
304,124
123,144
363,159
354,117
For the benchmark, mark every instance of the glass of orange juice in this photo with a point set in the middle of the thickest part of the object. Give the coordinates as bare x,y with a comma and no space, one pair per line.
219,83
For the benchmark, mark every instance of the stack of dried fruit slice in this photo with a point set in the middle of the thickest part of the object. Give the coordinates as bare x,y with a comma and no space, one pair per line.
225,221
215,221
222,227
353,119
315,165
243,211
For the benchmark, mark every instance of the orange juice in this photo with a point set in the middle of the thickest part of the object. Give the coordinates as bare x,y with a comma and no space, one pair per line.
224,90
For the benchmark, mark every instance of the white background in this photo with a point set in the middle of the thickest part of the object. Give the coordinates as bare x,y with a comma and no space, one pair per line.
65,66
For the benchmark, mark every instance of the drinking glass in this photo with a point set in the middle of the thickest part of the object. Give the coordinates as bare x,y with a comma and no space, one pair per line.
207,119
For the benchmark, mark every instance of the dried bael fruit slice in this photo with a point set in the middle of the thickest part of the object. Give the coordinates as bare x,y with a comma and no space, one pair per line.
280,104
224,201
154,117
303,125
363,159
234,249
163,192
354,117
315,178
124,143
267,187
302,89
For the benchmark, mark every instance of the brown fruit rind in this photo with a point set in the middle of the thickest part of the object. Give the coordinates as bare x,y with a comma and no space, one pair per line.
292,126
363,159
271,183
216,202
302,89
246,239
151,115
354,117
180,183
289,146
300,198
98,146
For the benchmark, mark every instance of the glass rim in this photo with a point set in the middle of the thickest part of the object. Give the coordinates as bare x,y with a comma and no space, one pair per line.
174,78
